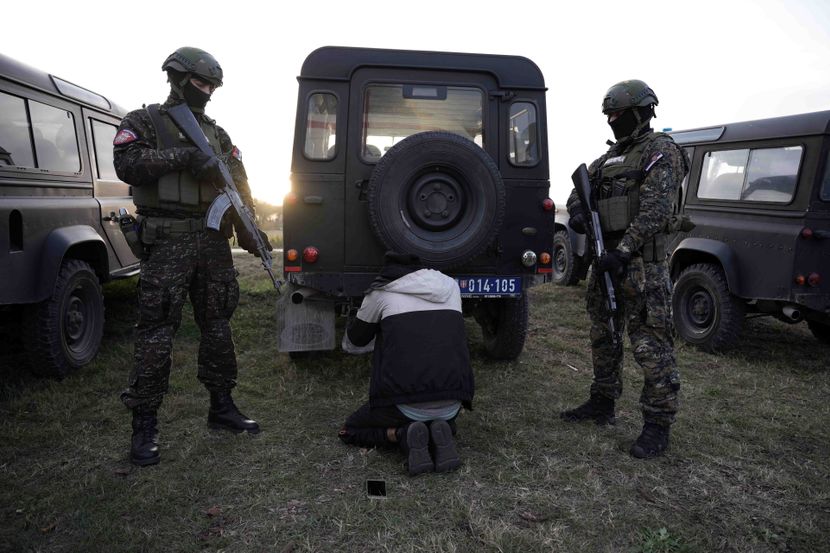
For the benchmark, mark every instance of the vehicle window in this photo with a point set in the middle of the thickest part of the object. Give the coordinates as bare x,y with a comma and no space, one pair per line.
760,175
524,147
722,176
103,135
321,126
772,175
15,135
56,145
393,112
825,186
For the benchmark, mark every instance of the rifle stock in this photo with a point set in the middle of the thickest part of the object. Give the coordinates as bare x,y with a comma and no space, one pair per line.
185,120
582,184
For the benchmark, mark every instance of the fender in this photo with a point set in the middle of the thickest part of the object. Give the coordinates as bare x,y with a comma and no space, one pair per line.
86,244
691,250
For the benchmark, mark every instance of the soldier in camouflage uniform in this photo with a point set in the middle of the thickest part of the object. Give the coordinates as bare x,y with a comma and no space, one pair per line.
635,185
173,186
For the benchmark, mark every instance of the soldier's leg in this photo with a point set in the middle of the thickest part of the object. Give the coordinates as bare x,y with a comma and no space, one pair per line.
214,293
651,338
161,292
607,360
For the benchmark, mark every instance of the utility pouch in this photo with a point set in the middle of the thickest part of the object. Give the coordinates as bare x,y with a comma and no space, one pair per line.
655,249
131,228
615,213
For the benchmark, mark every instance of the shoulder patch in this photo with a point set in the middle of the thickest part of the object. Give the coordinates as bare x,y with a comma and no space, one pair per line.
613,161
236,153
124,136
655,157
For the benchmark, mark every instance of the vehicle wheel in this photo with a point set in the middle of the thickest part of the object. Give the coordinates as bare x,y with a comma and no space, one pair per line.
504,326
439,196
706,314
566,265
63,332
820,330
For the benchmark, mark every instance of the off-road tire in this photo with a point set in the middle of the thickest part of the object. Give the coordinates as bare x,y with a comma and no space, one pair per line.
504,326
706,314
439,196
63,332
567,266
820,330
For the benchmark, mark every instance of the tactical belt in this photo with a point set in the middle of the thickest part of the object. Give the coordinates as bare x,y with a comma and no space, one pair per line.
653,250
157,227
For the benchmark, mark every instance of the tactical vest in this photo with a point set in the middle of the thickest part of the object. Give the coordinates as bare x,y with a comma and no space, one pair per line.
618,196
177,191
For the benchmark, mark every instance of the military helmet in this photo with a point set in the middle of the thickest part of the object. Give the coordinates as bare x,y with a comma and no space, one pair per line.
196,62
628,94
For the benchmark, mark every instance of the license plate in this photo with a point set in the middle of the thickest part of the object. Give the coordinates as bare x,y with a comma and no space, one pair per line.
489,287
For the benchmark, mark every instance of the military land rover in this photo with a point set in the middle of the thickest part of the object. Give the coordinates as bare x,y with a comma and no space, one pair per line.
759,195
59,216
442,155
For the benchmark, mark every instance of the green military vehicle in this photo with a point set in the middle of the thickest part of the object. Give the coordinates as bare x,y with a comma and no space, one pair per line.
59,216
759,195
438,154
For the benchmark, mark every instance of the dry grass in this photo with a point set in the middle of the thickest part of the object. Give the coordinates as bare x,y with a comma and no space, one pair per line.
747,470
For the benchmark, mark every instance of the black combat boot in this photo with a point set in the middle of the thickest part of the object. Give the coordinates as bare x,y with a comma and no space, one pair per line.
414,441
225,415
653,441
145,448
598,408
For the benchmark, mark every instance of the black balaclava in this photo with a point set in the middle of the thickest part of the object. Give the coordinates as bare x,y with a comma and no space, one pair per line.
631,120
194,97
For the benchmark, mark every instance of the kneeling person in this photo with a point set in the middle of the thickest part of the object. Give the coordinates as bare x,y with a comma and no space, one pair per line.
421,372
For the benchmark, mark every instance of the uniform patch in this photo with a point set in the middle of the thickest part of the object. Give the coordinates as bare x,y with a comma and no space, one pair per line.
613,161
236,153
655,157
124,136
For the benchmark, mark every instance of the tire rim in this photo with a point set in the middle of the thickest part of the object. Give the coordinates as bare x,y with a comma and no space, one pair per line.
435,201
560,260
699,311
76,320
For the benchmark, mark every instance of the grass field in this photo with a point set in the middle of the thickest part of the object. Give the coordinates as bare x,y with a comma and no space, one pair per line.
747,469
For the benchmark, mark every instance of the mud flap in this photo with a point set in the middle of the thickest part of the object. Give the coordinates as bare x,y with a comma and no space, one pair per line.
305,322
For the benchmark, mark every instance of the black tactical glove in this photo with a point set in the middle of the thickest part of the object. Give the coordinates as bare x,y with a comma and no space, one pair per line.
614,263
577,223
206,168
249,243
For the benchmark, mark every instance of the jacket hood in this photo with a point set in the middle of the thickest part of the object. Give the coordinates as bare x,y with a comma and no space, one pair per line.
427,284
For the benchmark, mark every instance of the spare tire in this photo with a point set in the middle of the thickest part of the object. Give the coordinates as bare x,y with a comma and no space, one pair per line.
436,195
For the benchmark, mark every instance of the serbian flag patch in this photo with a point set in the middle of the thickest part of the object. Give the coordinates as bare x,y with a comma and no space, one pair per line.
124,136
656,156
236,153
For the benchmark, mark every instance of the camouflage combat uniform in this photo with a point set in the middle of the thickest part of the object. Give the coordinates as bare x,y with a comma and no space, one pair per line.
181,259
654,170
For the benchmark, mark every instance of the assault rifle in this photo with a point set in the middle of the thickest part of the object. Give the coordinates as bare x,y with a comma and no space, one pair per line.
185,120
582,184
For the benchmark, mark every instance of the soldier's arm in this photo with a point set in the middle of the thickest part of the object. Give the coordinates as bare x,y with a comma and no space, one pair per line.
664,171
233,158
137,161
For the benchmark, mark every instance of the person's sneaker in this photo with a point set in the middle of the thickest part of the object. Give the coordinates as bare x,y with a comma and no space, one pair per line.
225,415
598,408
653,441
415,444
144,448
442,446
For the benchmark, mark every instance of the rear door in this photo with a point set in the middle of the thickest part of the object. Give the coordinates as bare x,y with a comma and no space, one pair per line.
385,107
111,193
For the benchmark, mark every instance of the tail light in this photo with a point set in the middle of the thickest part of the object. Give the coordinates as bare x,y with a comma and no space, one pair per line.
544,258
529,258
814,279
292,255
547,204
310,254
290,198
